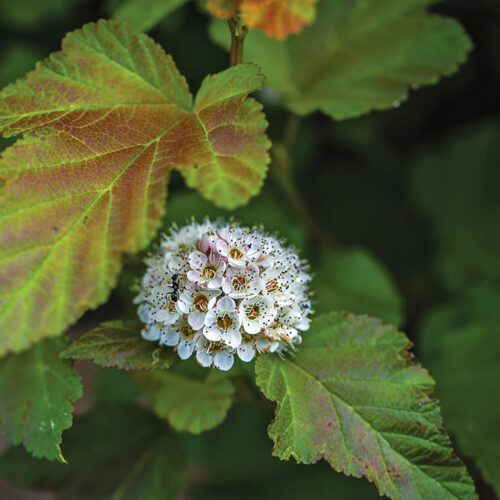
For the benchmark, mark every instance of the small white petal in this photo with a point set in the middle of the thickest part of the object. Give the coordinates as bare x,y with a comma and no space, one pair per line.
165,316
196,320
226,304
212,333
226,285
274,346
214,284
197,260
210,318
251,327
203,358
175,264
221,247
236,262
206,244
223,360
144,312
232,337
185,348
184,302
195,277
170,338
246,352
151,333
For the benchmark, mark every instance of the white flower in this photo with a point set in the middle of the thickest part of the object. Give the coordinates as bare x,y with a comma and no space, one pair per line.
223,323
240,283
277,282
196,304
181,336
256,313
206,270
213,354
238,246
221,290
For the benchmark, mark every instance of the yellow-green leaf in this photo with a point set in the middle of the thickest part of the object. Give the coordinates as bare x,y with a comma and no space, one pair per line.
104,121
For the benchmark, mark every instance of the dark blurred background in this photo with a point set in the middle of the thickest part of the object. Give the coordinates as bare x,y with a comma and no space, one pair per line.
414,190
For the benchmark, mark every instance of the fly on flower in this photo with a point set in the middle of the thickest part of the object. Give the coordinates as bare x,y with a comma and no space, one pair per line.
221,290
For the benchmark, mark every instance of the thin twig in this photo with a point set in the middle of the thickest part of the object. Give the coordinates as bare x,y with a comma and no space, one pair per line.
238,32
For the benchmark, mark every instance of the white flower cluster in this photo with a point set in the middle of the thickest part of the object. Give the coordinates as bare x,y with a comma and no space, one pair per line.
220,289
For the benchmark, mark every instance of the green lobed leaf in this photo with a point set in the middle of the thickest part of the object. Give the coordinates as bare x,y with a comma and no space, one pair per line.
119,344
104,121
189,405
460,343
354,280
358,56
456,185
143,15
354,395
36,392
117,451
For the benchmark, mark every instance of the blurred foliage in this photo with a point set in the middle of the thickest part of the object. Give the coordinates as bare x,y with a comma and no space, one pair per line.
119,451
456,184
460,344
29,14
142,15
189,405
354,281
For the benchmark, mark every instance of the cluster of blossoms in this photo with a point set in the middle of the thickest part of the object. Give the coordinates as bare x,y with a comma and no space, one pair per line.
219,290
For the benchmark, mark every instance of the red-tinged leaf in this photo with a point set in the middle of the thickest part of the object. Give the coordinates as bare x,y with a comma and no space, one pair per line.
356,397
278,18
119,344
104,120
231,165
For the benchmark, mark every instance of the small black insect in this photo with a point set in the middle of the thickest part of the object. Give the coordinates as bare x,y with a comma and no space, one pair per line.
174,295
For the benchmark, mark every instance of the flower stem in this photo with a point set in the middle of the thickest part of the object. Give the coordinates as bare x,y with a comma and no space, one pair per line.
283,172
238,32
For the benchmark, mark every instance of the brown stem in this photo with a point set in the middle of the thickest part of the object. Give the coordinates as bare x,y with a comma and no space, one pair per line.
238,32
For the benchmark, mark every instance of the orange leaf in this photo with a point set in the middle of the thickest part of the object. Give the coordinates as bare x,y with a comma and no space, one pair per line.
223,8
278,18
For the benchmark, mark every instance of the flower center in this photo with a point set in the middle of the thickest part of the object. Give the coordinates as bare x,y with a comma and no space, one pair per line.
252,312
209,272
272,286
171,306
235,253
224,322
239,283
200,302
186,330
